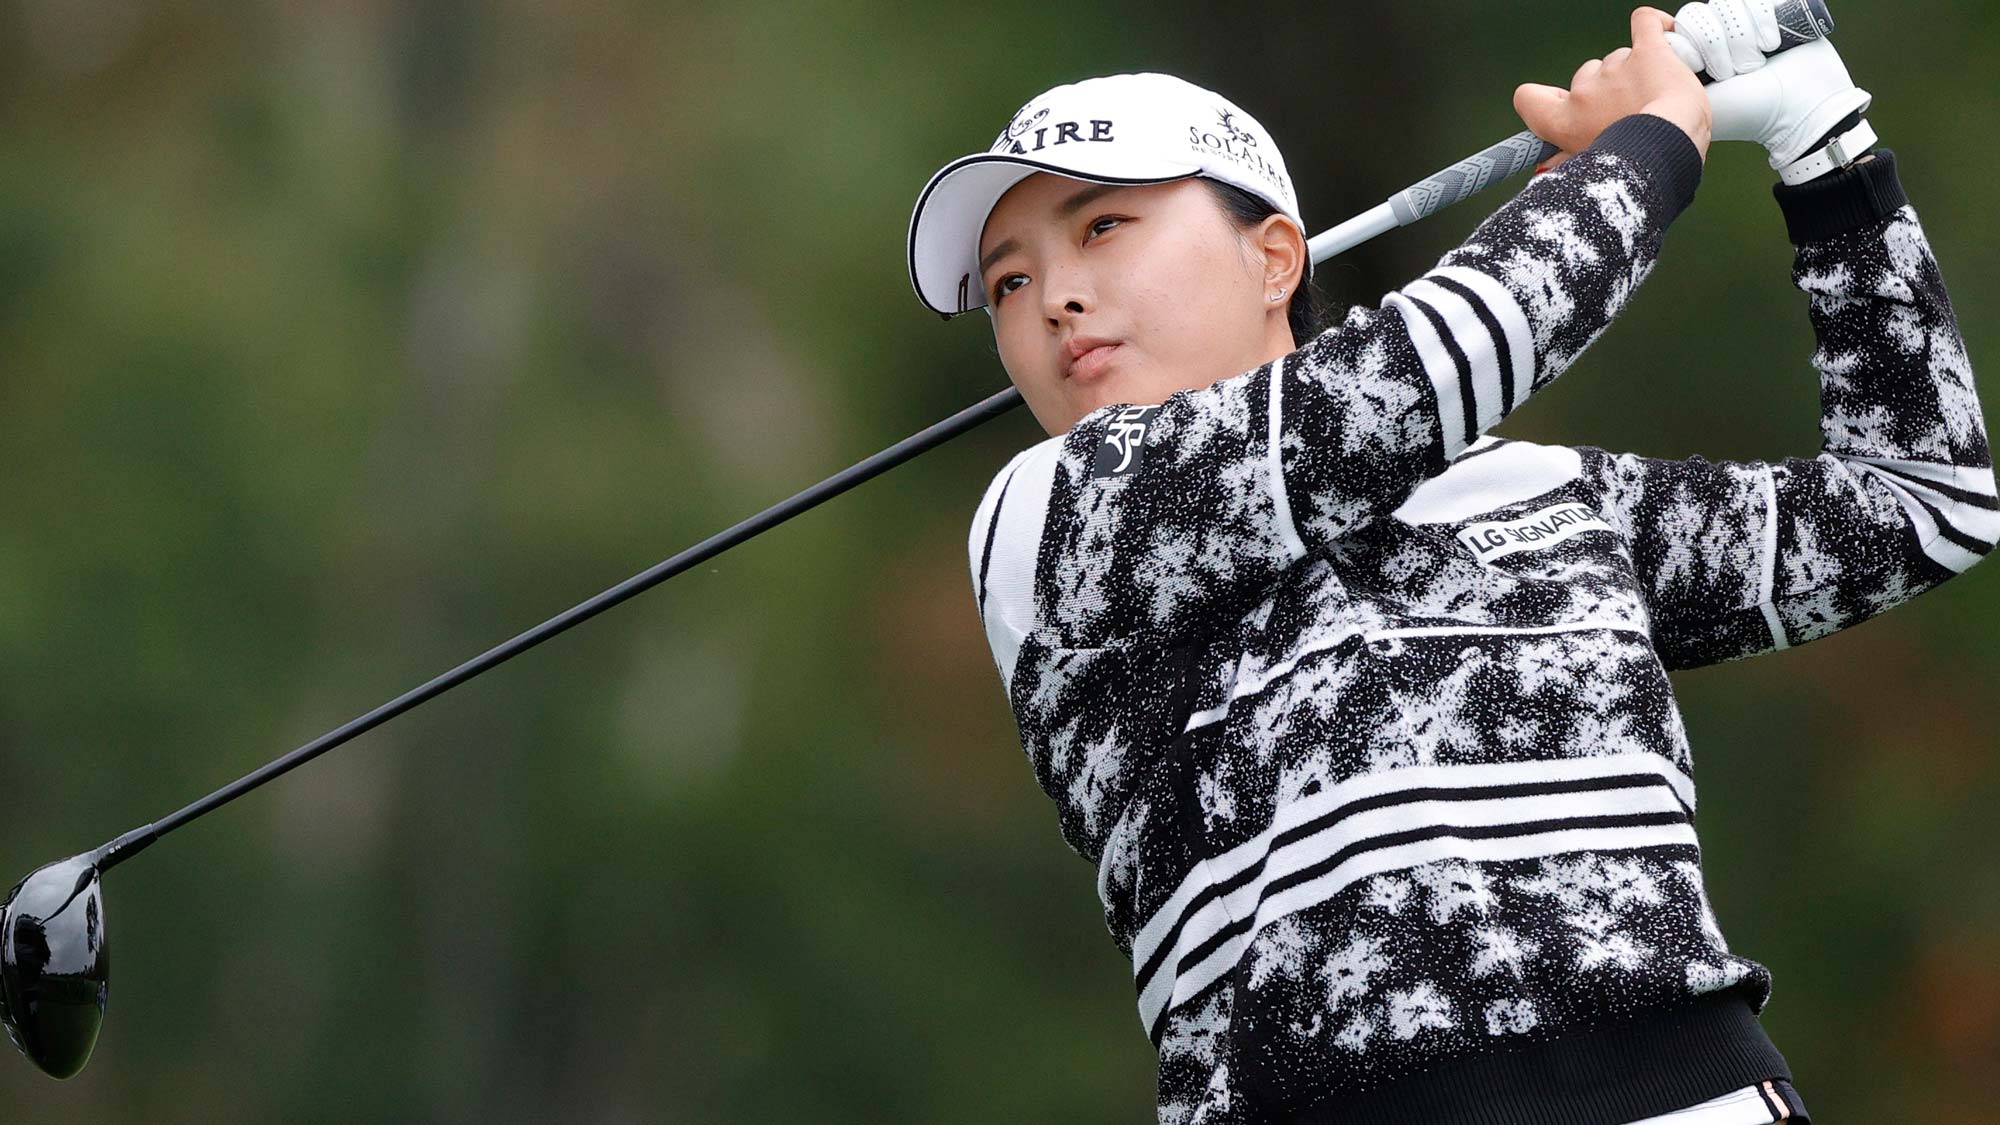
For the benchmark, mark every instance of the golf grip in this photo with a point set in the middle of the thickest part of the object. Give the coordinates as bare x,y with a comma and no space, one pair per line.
1354,231
1799,21
1470,176
1802,21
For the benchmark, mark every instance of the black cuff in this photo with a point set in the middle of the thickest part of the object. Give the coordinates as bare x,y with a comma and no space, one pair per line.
1841,201
1662,148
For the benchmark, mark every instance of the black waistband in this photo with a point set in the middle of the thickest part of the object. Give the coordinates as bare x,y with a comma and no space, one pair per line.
1652,1064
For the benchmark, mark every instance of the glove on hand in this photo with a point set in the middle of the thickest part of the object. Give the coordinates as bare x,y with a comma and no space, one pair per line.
1786,102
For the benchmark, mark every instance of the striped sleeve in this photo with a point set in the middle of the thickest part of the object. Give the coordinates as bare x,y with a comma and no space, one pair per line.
1515,305
1743,558
1951,509
1498,318
1477,348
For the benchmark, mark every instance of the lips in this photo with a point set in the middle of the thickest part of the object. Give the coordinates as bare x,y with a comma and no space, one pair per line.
1084,357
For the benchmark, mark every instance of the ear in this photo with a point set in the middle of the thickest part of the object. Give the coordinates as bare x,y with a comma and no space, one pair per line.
1283,248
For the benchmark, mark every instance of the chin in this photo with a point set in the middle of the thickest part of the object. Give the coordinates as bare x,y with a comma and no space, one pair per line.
1128,388
1102,395
1118,388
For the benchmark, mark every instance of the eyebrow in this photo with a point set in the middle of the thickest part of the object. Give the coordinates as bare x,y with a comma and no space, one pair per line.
998,252
1077,202
1063,210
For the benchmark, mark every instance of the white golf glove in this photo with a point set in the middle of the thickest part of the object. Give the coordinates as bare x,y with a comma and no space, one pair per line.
1786,102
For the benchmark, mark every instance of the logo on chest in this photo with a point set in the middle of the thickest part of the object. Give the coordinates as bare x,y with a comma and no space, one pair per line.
1124,442
1494,539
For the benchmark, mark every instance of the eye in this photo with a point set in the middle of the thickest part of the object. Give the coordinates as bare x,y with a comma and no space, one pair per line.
1007,285
1101,224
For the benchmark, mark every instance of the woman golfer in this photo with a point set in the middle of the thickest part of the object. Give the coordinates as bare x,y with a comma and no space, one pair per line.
1363,716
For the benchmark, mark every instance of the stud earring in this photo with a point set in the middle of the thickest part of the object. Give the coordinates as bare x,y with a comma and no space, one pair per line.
1275,296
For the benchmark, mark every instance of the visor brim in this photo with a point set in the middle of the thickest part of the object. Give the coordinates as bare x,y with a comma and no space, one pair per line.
952,210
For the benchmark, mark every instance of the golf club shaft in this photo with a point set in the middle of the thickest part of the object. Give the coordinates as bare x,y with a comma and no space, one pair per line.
1799,22
131,843
1465,178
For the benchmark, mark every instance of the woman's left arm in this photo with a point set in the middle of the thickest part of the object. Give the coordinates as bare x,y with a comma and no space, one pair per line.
1740,558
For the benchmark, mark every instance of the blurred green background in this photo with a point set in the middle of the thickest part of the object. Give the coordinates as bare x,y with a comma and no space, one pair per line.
342,339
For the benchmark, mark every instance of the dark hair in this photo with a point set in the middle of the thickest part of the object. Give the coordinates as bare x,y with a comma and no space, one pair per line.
1246,211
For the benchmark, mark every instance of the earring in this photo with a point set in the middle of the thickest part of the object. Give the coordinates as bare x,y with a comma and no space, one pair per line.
1275,296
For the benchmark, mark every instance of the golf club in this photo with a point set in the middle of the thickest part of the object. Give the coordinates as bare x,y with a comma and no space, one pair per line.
54,961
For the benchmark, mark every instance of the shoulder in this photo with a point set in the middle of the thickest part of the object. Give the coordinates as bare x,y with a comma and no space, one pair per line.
1008,521
1492,473
1000,491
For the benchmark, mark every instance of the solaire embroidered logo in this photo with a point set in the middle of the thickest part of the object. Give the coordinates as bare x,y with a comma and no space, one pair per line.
1493,539
1124,442
1028,132
1230,140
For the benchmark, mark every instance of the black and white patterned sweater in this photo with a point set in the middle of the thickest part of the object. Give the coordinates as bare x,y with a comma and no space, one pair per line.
1365,718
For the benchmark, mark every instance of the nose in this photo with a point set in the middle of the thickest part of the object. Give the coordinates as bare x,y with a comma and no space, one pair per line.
1066,296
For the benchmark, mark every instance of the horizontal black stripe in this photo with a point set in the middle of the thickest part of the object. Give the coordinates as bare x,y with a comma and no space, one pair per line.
1964,496
1945,528
1497,443
1397,839
1360,805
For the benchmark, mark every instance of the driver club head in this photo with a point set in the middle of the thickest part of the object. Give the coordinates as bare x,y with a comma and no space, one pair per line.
54,971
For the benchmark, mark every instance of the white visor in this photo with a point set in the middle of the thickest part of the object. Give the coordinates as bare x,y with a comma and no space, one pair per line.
1122,129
